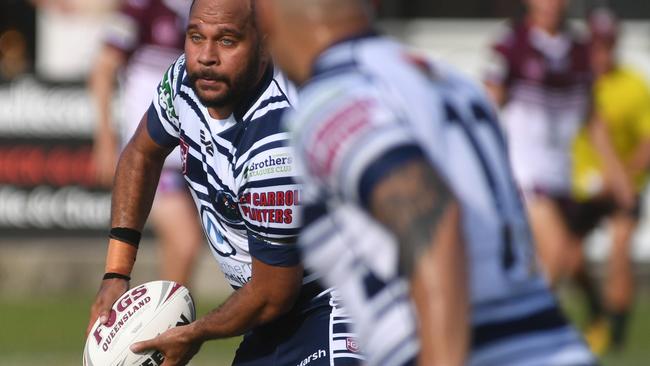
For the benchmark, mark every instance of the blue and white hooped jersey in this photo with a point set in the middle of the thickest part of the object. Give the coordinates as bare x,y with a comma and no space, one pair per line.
370,106
240,171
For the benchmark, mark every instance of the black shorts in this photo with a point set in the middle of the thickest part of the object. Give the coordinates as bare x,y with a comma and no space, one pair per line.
319,336
582,217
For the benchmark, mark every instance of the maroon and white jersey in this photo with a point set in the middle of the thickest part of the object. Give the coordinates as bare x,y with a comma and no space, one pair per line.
151,33
547,79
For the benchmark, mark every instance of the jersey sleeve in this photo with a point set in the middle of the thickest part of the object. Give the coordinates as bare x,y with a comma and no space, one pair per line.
353,146
269,194
163,123
123,28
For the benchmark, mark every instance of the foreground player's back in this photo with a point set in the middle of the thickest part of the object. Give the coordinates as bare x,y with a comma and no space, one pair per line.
402,97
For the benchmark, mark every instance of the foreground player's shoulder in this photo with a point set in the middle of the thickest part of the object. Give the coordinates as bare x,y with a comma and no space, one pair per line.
326,99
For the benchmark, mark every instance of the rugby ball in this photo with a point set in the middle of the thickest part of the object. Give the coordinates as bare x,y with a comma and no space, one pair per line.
140,314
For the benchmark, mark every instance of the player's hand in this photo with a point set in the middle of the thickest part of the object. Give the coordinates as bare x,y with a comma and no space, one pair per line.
105,155
109,292
176,345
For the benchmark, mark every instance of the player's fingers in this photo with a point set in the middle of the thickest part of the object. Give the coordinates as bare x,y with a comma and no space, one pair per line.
103,316
95,313
144,346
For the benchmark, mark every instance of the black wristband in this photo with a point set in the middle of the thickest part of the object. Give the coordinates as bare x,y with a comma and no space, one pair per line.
126,235
111,275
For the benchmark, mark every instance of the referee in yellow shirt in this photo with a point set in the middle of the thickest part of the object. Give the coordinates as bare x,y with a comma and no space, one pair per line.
622,99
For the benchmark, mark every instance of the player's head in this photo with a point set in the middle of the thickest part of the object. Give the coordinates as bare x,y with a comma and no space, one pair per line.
604,29
298,30
224,50
549,12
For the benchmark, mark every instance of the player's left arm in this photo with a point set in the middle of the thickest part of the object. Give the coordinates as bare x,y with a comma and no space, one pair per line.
640,160
615,173
401,188
417,206
270,293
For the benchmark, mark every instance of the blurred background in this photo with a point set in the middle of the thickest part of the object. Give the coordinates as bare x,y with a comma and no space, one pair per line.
54,210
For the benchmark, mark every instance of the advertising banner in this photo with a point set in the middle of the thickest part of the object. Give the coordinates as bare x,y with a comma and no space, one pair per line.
47,180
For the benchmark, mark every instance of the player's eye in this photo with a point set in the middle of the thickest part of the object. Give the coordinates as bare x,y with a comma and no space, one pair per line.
227,42
195,38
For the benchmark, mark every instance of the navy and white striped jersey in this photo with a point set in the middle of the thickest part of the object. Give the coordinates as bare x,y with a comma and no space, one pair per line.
240,172
371,106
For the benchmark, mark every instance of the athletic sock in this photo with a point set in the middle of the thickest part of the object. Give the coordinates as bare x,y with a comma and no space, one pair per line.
618,325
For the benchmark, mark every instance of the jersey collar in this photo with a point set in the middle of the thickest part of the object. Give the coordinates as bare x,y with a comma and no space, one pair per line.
257,92
340,55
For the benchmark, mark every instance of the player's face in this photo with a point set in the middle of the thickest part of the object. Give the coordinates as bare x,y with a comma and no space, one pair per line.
223,52
552,10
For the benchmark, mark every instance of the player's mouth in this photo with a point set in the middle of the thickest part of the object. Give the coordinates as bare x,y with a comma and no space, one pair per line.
209,83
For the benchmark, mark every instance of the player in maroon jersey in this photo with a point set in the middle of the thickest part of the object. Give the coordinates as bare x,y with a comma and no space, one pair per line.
540,75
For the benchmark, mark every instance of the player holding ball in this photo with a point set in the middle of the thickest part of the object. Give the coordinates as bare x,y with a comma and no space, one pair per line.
221,102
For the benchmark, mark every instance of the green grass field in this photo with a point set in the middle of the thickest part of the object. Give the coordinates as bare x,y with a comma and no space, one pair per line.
49,331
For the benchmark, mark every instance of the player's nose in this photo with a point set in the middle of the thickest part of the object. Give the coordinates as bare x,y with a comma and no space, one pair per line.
209,55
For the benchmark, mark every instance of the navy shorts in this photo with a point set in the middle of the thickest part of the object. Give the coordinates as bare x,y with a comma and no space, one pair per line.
318,336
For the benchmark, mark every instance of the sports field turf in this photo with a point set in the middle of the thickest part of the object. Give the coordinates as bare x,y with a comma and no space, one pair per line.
49,331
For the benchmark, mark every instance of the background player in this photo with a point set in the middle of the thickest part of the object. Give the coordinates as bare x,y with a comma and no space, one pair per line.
222,103
541,76
383,133
622,98
143,38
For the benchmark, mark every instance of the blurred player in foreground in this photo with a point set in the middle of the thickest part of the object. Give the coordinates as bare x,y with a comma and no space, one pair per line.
622,98
143,38
541,76
396,147
222,103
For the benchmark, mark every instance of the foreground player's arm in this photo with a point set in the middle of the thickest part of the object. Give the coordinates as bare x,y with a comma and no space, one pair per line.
615,174
416,205
136,180
395,183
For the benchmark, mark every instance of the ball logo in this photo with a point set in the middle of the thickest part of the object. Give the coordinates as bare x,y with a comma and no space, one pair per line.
217,242
137,299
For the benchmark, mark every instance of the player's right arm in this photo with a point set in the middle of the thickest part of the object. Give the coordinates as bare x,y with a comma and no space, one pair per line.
397,184
497,68
136,180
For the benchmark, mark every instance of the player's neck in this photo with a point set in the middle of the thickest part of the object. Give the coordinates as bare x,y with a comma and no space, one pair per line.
221,113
